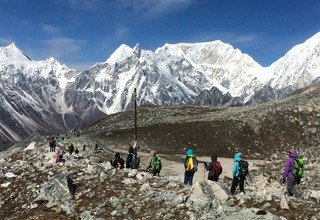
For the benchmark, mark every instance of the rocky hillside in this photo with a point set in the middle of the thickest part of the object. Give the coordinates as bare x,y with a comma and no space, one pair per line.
259,130
33,186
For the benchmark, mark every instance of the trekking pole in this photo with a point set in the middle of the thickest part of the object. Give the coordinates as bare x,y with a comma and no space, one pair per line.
204,172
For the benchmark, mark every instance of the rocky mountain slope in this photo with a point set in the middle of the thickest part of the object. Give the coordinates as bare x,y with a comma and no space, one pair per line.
261,130
31,96
33,186
45,96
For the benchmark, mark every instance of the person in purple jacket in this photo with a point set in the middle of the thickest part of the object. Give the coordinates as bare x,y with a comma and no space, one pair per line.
287,174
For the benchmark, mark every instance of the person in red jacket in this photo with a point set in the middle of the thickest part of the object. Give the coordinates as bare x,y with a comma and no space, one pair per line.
214,168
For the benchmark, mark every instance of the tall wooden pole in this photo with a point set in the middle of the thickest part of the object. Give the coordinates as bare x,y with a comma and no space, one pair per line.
135,114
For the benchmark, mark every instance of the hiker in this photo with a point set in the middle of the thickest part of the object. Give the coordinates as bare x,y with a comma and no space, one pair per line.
60,154
118,162
51,144
78,135
84,147
56,142
133,160
76,151
240,171
191,166
71,149
292,172
71,186
155,164
96,148
214,168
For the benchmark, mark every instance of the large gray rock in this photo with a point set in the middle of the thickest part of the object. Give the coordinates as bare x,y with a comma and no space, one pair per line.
203,193
56,192
218,191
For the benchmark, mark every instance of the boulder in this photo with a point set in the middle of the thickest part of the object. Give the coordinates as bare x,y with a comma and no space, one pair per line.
315,195
56,192
218,191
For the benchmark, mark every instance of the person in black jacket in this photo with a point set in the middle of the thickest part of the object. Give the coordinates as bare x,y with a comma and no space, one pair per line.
214,168
133,159
118,162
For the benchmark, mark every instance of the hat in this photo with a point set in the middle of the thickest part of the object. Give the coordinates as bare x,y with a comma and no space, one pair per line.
189,152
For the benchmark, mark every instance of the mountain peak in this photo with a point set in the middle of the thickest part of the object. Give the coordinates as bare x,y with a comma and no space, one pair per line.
137,50
13,52
120,54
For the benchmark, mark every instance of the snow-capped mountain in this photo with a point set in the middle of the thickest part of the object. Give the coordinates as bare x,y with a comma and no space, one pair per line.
31,95
48,96
171,75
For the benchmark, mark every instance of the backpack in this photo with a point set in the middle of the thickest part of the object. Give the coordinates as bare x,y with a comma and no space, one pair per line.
191,164
243,168
297,170
61,152
135,161
157,164
216,169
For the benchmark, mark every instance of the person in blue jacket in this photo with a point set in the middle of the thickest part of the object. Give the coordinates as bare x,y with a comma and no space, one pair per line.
237,179
191,166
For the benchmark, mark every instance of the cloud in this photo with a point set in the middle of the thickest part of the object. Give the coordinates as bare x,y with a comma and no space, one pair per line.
153,8
81,65
85,5
228,37
4,42
121,31
50,29
64,48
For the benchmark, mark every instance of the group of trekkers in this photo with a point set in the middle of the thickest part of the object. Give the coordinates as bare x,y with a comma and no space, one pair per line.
133,161
291,176
54,143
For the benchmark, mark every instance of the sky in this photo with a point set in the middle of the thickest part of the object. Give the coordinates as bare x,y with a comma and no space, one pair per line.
80,33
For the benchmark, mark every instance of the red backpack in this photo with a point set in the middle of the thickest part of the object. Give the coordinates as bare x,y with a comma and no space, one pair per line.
216,170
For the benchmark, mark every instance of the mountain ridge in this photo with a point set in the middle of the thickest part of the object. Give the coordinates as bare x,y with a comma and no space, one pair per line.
209,73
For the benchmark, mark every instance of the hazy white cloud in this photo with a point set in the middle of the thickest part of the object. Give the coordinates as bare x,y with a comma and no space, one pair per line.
4,42
81,66
50,29
86,5
121,31
66,48
151,8
145,8
227,37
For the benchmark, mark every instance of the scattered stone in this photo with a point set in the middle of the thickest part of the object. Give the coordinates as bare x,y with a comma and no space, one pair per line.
284,203
9,175
5,185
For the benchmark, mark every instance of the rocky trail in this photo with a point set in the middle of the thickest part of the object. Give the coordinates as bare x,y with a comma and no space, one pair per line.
32,186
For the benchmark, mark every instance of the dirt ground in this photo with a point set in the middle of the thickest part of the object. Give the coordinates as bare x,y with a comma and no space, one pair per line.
173,165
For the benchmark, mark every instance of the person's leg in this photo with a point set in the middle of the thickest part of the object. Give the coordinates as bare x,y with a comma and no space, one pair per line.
190,179
241,183
234,185
290,186
186,178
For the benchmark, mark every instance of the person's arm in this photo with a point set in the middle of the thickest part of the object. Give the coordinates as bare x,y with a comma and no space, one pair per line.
209,166
113,163
287,168
122,163
235,168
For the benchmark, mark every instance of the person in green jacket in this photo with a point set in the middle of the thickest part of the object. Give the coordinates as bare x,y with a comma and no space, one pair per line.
155,164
